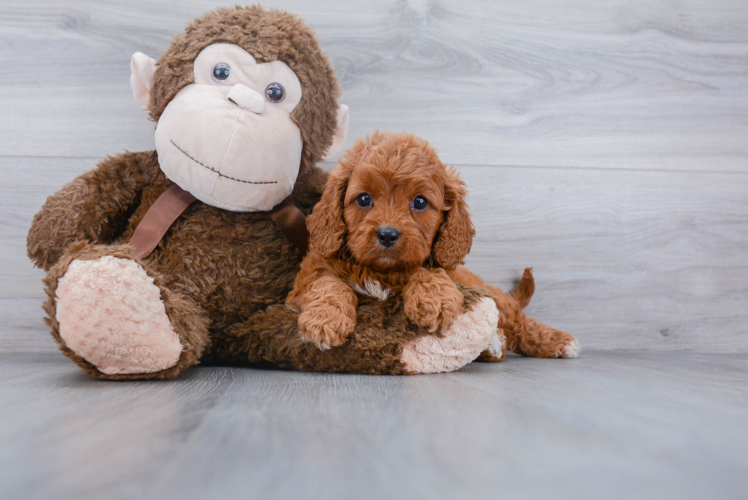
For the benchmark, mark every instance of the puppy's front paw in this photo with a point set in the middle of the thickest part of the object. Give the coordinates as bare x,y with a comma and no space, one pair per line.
432,299
460,344
325,325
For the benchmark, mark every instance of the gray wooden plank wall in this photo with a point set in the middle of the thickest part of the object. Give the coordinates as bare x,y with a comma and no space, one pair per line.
605,143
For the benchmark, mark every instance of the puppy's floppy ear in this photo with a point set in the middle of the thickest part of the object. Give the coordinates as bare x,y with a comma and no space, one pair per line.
455,236
325,223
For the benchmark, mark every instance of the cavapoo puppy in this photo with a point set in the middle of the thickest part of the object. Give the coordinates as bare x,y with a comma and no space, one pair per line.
393,219
375,232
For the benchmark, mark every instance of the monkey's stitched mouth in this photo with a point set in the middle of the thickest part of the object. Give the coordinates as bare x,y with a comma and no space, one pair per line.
216,171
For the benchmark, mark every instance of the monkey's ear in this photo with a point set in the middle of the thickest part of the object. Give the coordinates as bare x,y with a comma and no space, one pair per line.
142,68
340,133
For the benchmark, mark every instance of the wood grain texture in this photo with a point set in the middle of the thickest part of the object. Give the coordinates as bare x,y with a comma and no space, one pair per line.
608,425
616,84
604,143
623,259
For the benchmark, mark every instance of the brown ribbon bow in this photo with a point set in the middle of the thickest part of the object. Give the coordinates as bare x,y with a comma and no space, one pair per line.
175,200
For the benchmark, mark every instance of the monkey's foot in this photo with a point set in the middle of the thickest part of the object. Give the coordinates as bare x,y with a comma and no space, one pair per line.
111,314
470,334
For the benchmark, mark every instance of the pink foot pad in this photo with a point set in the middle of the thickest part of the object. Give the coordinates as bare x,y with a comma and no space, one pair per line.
470,334
111,314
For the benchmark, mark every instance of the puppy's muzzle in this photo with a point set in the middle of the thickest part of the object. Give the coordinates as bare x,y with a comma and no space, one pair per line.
387,236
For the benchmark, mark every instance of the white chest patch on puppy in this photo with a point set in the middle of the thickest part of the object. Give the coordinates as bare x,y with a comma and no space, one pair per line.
372,289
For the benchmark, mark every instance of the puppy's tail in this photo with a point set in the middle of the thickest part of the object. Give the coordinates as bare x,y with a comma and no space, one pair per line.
526,287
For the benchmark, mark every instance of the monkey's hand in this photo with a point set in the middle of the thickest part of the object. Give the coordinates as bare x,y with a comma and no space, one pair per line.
432,299
92,208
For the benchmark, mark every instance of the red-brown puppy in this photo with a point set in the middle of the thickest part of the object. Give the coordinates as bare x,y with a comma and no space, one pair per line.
392,219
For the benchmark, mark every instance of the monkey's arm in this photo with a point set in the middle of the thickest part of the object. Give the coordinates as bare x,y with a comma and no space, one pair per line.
94,207
383,342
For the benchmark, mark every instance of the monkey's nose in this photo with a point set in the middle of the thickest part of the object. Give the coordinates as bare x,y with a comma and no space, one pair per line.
246,98
387,236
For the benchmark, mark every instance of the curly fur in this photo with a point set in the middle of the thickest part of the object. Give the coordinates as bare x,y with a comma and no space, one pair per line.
346,256
432,299
375,347
423,265
524,335
222,275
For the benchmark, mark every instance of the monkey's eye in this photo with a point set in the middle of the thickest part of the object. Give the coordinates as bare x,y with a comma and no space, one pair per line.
364,200
274,92
420,203
221,72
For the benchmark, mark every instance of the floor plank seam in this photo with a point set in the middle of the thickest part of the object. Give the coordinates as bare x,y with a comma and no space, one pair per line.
327,164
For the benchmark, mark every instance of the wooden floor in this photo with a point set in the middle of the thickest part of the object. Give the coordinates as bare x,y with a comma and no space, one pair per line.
604,143
608,425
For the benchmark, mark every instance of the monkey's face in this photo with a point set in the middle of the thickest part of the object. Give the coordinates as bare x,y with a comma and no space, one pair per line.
228,138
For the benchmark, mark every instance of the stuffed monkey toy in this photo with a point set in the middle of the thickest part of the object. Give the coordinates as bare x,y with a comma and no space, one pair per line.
159,260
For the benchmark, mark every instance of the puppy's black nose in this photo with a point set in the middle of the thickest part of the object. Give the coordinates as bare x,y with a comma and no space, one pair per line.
387,236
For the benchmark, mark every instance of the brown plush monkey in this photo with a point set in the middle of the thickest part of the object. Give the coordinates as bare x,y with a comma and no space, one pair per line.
245,105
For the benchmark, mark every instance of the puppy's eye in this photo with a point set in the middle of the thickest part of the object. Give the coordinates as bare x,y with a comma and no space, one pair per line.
274,92
221,72
420,203
364,200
